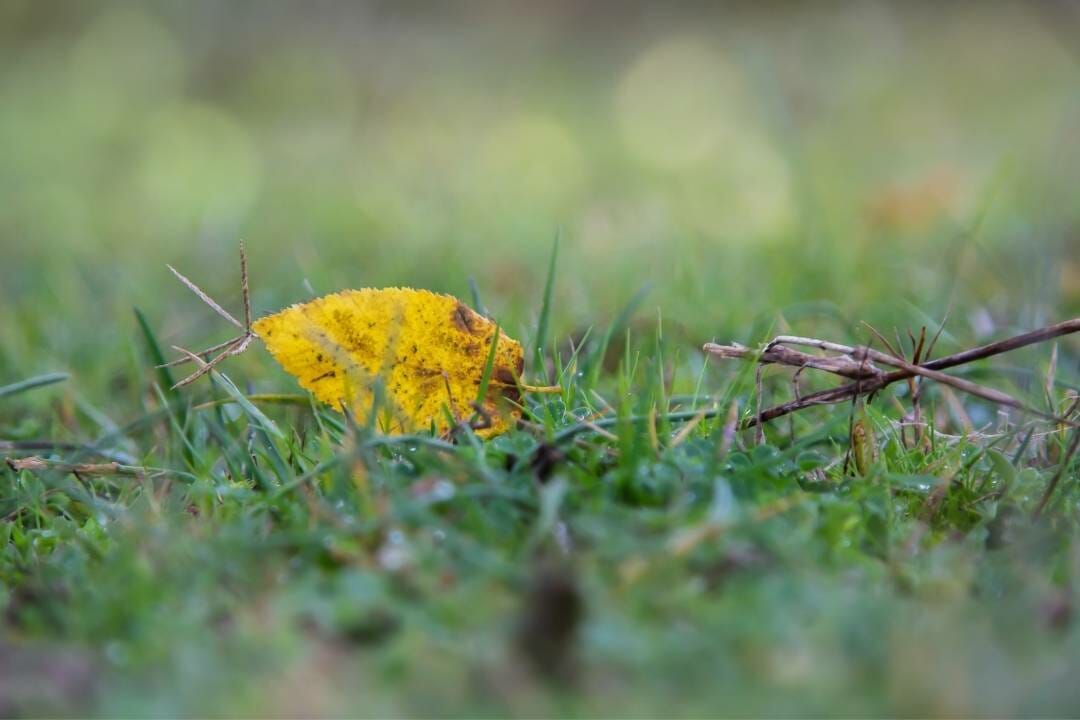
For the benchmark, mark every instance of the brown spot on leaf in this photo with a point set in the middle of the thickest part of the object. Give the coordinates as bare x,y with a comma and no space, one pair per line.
464,319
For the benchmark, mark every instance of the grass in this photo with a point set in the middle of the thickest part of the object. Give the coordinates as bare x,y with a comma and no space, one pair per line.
234,548
607,562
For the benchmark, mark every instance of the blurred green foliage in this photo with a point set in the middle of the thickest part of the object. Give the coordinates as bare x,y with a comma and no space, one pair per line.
742,159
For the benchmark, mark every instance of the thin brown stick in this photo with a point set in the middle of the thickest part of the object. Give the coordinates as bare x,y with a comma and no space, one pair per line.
759,391
881,338
917,355
28,445
780,355
202,366
731,425
937,334
202,353
38,464
1073,407
1073,444
205,298
795,376
244,291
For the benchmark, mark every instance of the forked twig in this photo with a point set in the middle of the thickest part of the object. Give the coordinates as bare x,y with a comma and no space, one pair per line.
227,349
971,388
238,346
869,380
202,353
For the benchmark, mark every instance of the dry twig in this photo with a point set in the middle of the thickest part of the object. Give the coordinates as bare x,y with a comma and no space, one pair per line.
869,379
37,464
1059,474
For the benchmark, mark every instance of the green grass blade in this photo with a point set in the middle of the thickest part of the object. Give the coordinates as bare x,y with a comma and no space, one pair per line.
489,367
256,415
32,383
474,293
170,397
545,309
165,378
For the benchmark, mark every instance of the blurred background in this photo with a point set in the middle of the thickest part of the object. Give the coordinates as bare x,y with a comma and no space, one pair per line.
750,161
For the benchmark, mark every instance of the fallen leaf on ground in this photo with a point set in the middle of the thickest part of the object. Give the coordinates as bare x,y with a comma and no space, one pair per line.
416,357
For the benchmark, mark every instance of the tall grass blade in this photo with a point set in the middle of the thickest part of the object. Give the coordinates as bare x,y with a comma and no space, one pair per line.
545,309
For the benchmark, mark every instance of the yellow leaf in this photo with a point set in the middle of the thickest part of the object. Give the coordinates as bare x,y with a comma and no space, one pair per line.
424,352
